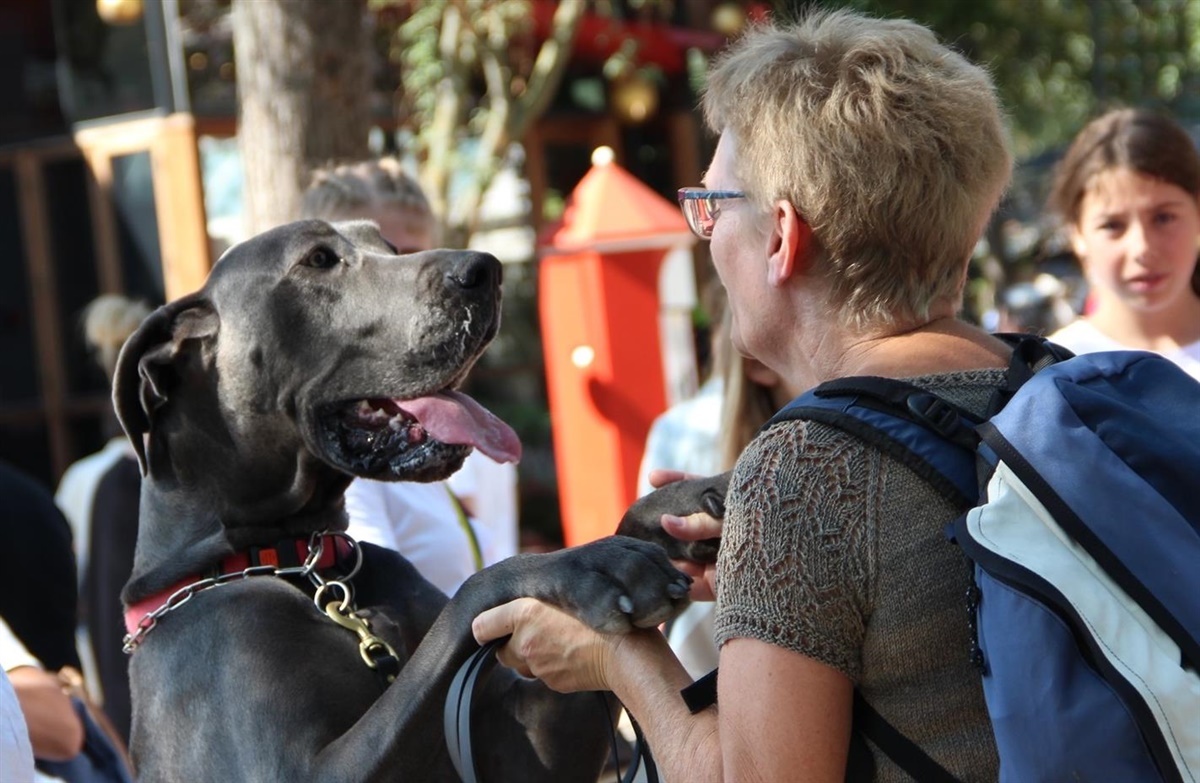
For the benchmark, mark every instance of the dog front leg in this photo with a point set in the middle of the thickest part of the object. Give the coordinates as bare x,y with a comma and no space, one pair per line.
614,585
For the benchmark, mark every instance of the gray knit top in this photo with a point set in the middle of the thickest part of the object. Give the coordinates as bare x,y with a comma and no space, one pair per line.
836,551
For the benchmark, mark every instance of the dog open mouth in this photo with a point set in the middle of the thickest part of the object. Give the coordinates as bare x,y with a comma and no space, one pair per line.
421,439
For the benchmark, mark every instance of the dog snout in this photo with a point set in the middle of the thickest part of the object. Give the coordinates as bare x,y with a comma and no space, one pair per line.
474,270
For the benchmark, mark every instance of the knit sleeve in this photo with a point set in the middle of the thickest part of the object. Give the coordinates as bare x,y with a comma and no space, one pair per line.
797,557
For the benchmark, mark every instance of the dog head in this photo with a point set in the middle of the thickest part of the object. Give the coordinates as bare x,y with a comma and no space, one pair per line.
313,353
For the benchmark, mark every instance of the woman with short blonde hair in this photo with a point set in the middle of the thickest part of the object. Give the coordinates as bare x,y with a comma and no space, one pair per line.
857,165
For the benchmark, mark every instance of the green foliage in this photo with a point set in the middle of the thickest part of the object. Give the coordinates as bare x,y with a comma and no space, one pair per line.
1058,62
473,81
415,50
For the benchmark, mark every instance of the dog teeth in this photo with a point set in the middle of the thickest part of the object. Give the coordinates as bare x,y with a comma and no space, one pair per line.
372,414
369,414
409,428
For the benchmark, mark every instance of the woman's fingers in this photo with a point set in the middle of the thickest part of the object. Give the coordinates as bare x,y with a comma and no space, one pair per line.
660,477
693,527
546,643
498,621
501,621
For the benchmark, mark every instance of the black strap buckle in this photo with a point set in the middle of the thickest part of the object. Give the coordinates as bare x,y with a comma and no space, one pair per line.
935,412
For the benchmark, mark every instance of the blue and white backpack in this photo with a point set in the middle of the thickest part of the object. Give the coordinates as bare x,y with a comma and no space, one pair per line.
1085,539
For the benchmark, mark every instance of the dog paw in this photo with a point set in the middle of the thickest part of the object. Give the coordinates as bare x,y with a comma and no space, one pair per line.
681,499
617,584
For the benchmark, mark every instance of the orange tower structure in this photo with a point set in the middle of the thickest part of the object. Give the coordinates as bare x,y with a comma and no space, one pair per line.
599,308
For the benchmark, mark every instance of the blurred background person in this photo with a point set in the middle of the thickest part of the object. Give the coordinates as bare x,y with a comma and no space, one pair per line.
38,600
1128,194
16,754
704,435
38,588
99,496
487,491
684,437
66,737
446,535
1038,306
53,731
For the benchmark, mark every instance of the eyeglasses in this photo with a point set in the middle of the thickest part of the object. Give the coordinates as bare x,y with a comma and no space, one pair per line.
701,208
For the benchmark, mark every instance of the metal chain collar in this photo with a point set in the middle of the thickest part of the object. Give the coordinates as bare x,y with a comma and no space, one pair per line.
316,545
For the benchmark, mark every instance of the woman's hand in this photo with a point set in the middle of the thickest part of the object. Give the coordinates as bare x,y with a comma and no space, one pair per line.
549,644
693,527
55,730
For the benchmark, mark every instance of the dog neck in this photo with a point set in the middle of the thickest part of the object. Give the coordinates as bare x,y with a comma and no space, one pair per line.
183,531
290,557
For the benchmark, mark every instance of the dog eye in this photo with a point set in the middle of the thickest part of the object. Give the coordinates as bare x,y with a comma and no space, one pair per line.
321,257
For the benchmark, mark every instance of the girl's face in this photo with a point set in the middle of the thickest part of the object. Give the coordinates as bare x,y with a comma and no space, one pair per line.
1137,238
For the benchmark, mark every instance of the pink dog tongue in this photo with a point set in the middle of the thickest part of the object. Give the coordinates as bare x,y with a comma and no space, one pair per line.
453,417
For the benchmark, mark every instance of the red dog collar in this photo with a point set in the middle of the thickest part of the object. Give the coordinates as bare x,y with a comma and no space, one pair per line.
287,555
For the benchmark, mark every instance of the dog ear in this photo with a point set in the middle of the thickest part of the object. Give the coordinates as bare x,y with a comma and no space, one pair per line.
144,370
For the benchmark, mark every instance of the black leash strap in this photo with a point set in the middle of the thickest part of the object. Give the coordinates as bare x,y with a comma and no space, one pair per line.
456,722
456,718
641,757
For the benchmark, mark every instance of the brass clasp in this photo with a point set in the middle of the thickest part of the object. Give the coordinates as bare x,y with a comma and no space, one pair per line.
370,646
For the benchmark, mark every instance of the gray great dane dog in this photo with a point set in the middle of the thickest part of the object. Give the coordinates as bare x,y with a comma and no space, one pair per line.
313,354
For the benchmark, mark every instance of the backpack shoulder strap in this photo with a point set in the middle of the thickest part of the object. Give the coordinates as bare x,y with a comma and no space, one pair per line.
914,425
1031,354
935,438
904,752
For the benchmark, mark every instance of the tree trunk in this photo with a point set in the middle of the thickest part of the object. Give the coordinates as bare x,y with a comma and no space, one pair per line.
303,97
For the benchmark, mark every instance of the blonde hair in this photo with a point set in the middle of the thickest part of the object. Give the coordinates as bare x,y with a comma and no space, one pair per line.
108,320
745,404
890,145
349,188
745,407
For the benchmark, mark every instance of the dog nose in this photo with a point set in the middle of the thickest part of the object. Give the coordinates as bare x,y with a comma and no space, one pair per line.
474,270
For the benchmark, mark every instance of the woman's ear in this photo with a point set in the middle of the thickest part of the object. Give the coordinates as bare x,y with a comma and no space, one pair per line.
790,244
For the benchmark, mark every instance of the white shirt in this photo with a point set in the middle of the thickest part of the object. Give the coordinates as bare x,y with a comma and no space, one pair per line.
421,522
77,491
16,754
1081,337
12,652
492,488
75,496
15,745
684,437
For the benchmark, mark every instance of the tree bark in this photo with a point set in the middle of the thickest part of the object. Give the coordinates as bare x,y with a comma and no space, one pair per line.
303,77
